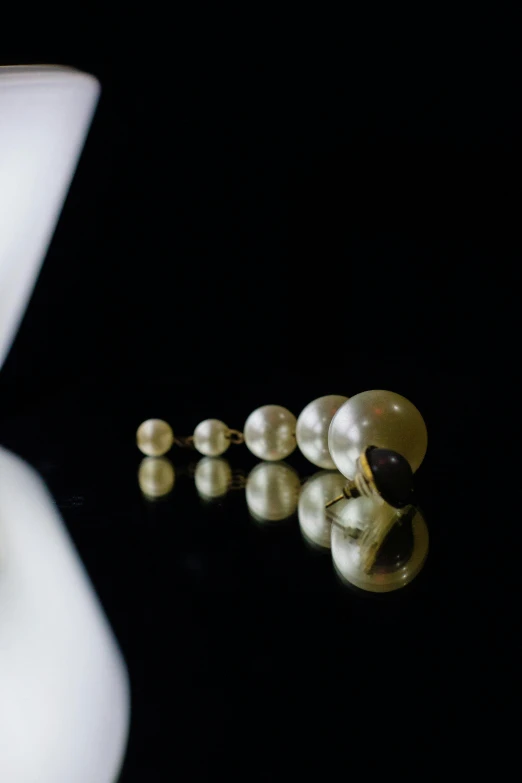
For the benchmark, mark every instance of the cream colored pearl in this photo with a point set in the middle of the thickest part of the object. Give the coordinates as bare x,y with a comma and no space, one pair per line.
272,491
348,559
156,476
317,491
211,437
313,424
376,418
154,437
212,477
270,432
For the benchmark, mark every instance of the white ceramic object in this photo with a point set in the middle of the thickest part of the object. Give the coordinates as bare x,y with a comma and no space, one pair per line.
45,113
213,477
349,554
64,692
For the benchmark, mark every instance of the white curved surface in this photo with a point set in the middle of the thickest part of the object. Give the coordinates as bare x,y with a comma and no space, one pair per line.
45,113
64,694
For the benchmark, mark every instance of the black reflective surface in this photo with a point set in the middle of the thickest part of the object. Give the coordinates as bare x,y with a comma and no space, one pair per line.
236,235
234,629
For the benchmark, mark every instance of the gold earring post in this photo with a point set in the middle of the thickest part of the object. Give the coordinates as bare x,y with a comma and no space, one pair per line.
349,491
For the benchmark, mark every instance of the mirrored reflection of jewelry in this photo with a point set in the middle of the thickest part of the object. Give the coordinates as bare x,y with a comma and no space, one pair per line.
314,522
156,476
374,546
389,550
376,439
213,477
272,491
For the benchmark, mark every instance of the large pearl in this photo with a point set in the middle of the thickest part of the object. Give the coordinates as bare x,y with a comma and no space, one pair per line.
270,432
317,491
156,476
154,437
272,491
312,429
212,477
211,437
376,418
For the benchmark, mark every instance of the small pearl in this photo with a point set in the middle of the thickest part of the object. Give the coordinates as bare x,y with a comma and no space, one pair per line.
270,432
154,437
312,429
317,491
211,437
212,477
376,418
156,476
272,491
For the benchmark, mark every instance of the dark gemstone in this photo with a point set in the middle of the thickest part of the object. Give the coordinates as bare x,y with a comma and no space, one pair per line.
392,475
397,547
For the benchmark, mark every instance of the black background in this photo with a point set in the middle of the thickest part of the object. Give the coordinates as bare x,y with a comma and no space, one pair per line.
262,220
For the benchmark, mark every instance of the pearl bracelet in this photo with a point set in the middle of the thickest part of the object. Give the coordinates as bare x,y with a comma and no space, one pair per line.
376,439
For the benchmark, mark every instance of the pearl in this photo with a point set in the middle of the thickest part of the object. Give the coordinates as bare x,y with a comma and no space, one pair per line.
311,511
270,432
154,437
312,429
156,476
211,437
376,418
212,477
349,554
272,491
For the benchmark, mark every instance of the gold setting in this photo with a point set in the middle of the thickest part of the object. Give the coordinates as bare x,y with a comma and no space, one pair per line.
362,484
365,465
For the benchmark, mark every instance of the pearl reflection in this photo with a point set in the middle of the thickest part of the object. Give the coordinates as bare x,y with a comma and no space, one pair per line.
389,551
272,491
321,487
213,477
156,477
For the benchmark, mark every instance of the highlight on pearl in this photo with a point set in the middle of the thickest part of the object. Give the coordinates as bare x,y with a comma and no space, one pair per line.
272,491
270,432
156,476
376,418
313,521
154,437
211,437
213,477
313,424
